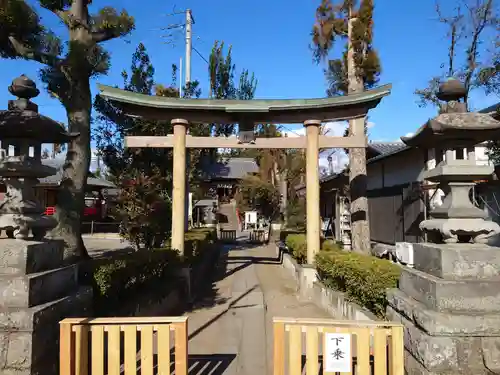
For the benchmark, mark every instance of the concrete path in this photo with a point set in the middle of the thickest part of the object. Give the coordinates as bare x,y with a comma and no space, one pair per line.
227,216
230,330
98,247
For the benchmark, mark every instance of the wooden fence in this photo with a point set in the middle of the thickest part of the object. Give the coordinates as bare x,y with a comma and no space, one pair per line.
376,348
257,236
227,235
115,346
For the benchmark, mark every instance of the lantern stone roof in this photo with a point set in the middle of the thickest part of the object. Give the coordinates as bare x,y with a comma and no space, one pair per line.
22,121
16,124
454,125
470,127
255,110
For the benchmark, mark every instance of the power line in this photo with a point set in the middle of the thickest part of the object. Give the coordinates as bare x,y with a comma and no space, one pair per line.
173,29
290,130
199,54
175,12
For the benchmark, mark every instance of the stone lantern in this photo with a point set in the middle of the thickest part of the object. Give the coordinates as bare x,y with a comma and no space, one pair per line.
449,302
456,132
38,287
22,132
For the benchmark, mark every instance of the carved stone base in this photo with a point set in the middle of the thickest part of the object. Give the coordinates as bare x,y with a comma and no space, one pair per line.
460,230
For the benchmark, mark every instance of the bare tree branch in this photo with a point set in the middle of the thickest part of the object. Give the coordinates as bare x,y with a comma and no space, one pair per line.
480,16
31,54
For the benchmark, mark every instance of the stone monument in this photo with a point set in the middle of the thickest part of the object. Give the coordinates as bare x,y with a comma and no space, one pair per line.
38,289
449,302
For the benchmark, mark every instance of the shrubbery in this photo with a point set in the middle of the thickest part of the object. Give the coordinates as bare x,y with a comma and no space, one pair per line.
118,278
297,245
284,233
364,278
296,213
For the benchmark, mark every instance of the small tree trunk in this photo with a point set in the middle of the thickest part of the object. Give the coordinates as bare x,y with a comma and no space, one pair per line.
360,229
71,196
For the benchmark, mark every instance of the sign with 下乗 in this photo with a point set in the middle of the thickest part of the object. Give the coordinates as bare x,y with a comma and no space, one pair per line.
337,353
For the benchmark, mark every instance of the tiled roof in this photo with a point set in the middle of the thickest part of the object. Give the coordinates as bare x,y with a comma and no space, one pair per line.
231,168
384,148
383,156
56,179
494,109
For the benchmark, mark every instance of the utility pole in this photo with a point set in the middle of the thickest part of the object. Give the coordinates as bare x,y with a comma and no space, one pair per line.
180,77
188,28
187,74
189,43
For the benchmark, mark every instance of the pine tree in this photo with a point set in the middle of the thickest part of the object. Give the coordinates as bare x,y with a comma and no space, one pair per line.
357,69
67,71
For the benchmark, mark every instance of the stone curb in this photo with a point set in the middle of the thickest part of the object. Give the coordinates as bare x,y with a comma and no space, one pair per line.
332,301
104,236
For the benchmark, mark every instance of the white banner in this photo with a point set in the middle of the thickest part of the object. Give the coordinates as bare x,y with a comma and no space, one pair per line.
337,355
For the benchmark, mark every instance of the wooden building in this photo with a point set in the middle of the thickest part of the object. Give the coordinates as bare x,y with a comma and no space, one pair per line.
222,178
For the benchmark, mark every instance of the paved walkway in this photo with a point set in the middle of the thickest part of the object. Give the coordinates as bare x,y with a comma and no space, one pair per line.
230,331
98,247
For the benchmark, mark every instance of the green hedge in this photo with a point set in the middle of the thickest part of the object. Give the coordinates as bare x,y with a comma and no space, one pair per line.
284,233
363,278
297,245
117,278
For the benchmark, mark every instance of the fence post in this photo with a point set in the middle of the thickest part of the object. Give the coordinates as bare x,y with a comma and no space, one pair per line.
66,351
181,348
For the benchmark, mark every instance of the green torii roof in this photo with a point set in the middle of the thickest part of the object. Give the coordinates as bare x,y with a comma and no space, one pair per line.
256,110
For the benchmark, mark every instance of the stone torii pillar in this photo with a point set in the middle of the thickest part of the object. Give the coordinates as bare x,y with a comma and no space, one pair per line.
312,189
179,184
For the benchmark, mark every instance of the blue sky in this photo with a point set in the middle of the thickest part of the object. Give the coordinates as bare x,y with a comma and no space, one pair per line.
271,38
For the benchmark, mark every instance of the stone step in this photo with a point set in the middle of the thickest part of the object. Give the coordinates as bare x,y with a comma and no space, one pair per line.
37,288
451,295
457,261
37,317
25,257
445,354
443,324
29,336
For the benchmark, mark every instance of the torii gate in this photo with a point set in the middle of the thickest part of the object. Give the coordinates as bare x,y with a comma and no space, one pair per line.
310,112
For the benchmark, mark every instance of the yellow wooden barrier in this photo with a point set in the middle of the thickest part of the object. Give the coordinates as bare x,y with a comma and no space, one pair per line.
376,347
115,346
